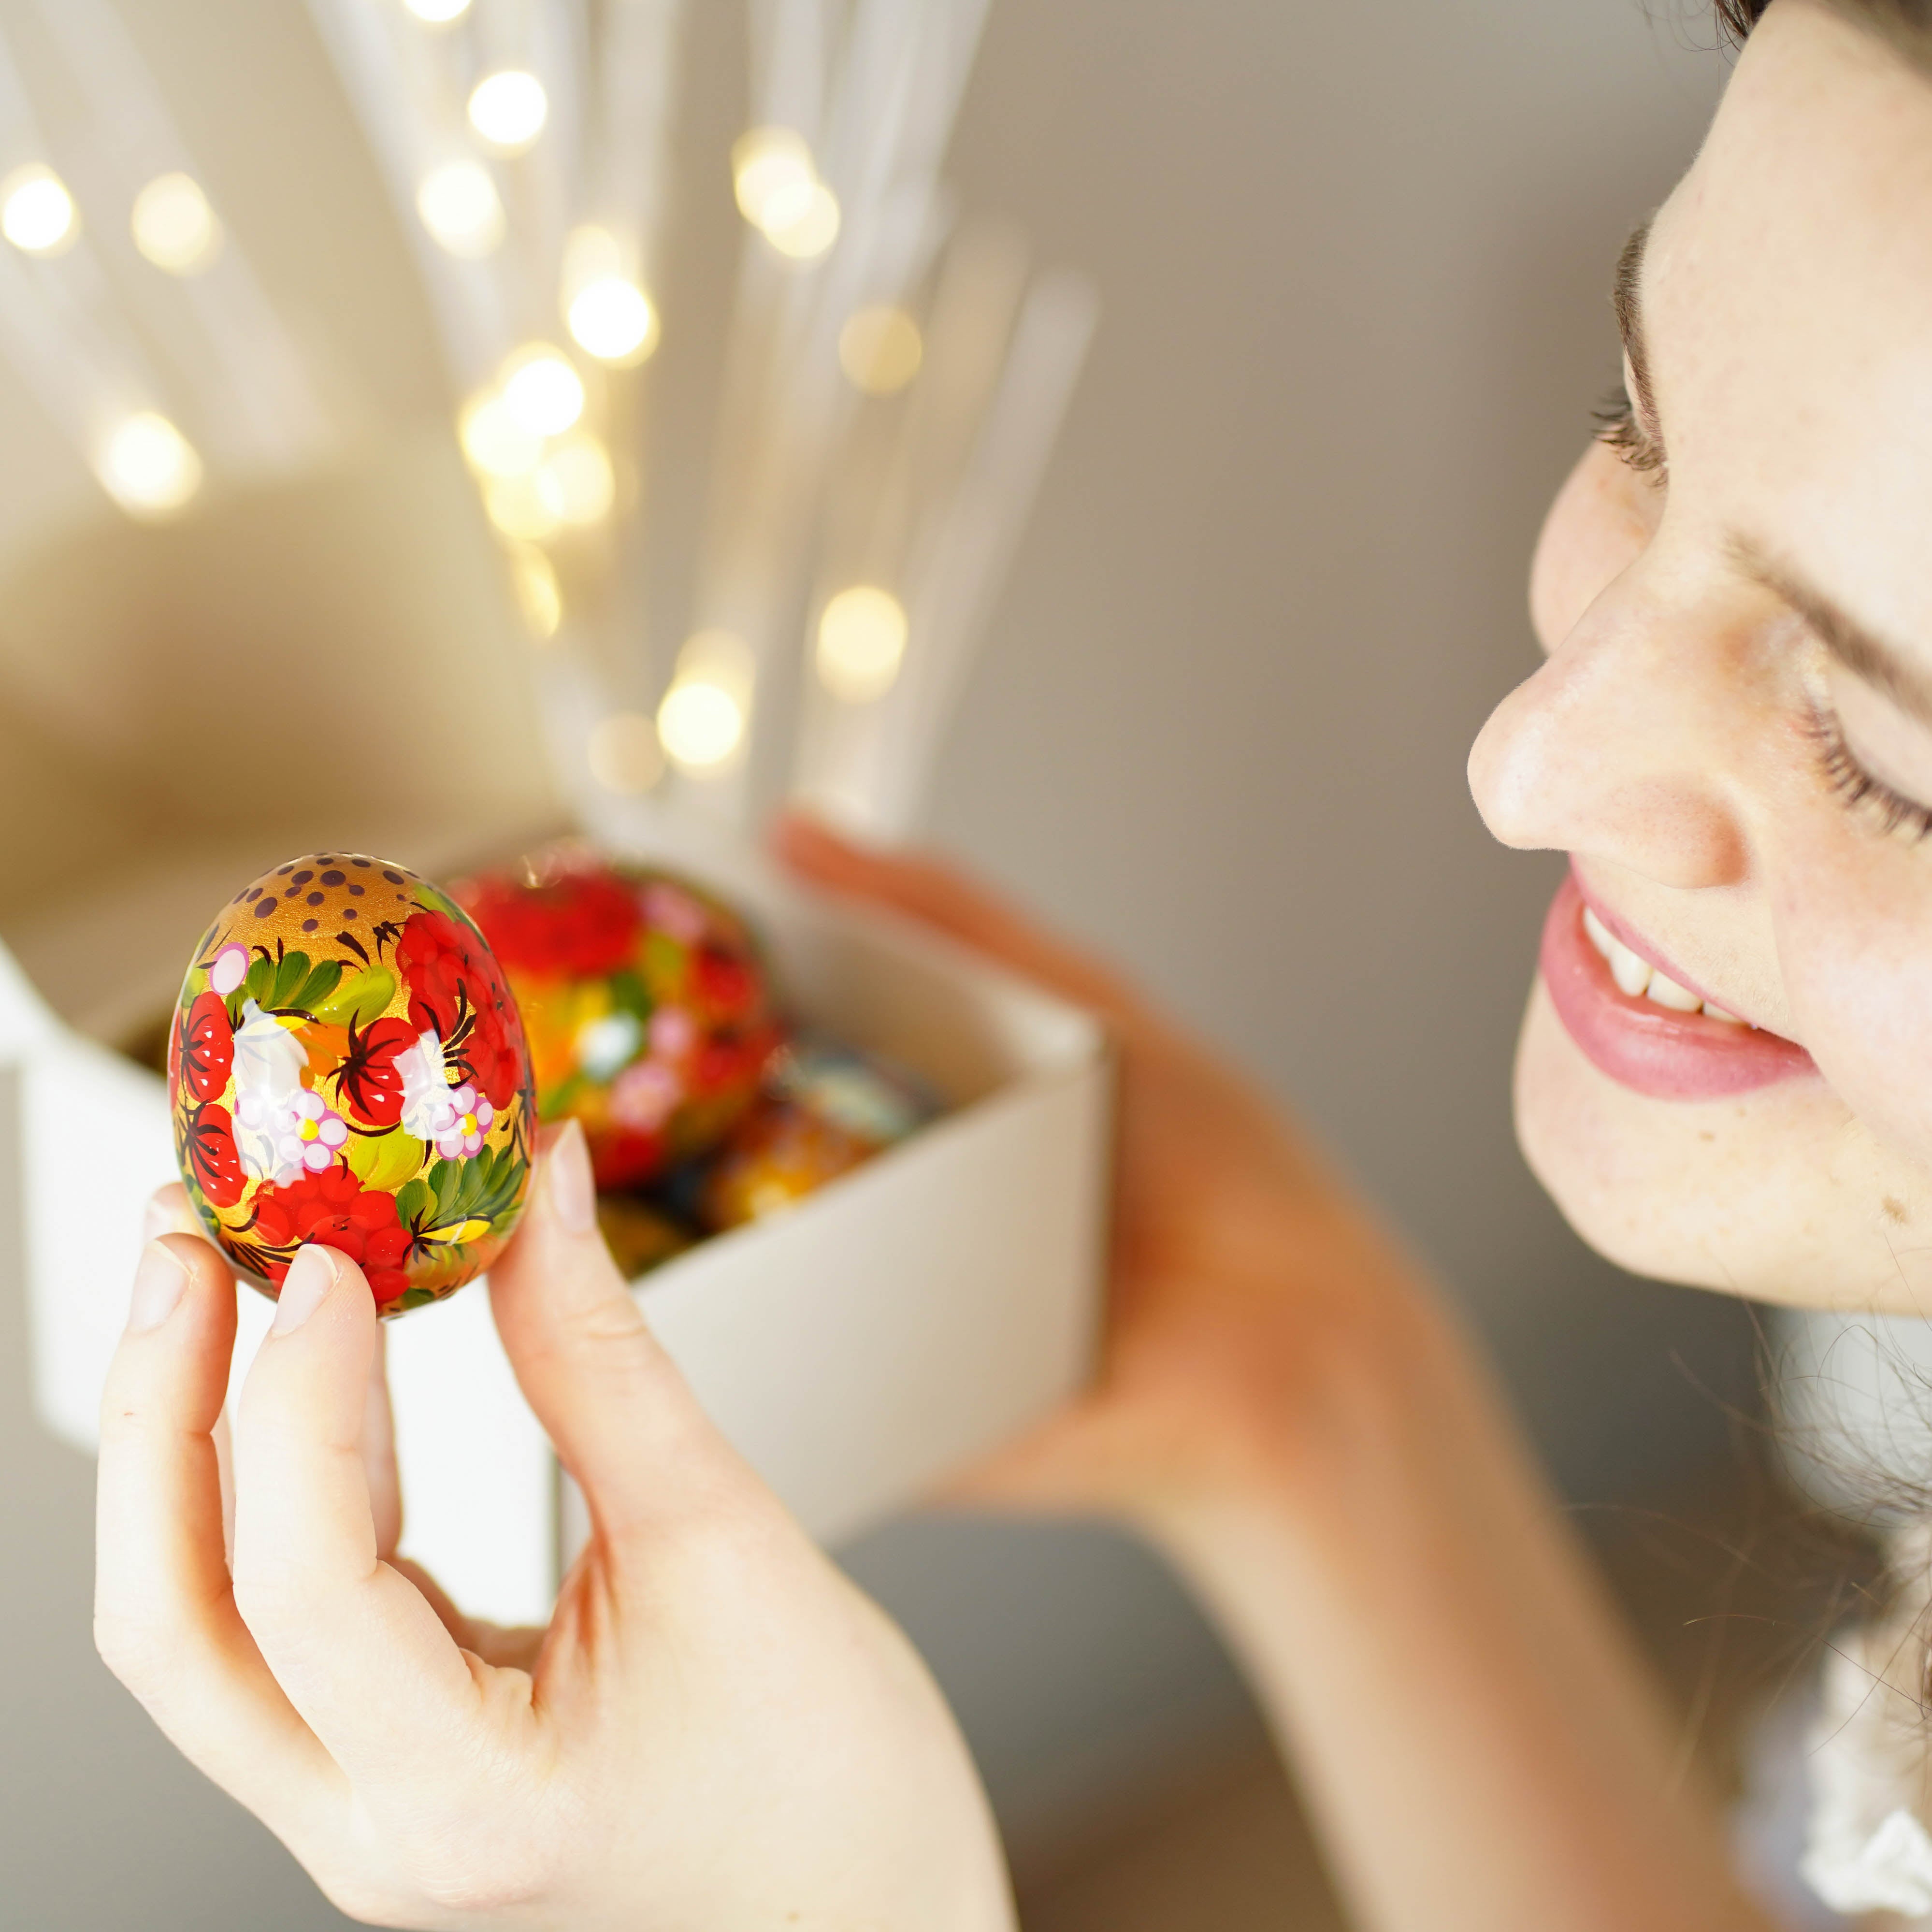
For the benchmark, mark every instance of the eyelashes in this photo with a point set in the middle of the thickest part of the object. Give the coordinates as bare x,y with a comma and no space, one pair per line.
1893,811
1619,429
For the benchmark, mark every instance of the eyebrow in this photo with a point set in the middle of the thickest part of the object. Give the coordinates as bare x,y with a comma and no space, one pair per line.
1627,299
1882,666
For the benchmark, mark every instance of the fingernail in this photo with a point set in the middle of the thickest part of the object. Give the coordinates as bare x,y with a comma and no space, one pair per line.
156,1221
158,1283
310,1276
573,1192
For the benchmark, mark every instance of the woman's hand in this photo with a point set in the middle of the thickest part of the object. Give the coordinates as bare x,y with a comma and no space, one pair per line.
1244,1269
716,1731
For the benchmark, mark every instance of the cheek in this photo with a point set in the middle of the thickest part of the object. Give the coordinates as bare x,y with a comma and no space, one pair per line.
1602,521
1854,948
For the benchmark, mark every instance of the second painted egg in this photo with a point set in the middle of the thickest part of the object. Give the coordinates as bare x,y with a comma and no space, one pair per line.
649,1011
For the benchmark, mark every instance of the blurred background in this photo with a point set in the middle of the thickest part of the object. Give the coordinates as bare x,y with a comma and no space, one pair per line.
1351,267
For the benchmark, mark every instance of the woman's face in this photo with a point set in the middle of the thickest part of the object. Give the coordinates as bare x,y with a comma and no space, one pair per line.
1732,734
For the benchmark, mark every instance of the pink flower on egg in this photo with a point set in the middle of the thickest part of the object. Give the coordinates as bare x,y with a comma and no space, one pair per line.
644,1095
229,968
284,1136
673,1033
459,1131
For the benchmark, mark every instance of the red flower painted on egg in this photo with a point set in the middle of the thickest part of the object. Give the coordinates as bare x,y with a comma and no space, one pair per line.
582,924
207,1048
335,1208
208,1136
456,992
369,1079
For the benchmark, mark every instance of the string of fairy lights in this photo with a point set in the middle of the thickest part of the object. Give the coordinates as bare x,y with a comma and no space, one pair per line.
893,377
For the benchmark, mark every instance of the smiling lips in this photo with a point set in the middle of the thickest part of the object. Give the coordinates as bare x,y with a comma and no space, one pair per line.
1640,1025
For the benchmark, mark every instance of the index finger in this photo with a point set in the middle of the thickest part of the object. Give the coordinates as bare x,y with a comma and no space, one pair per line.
359,1651
165,1621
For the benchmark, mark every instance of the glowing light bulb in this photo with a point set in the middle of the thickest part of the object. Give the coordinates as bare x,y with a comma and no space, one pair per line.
624,752
576,481
862,641
508,109
542,391
37,214
516,506
174,227
802,221
438,13
539,595
149,467
764,163
613,319
881,350
701,722
459,206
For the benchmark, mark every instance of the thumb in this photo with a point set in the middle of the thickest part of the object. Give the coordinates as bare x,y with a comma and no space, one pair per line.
624,1423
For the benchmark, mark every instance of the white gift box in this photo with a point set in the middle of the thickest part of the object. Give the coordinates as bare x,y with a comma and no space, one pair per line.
855,1348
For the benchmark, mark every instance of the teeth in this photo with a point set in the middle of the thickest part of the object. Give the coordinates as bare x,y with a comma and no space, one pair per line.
1630,973
1641,980
1666,992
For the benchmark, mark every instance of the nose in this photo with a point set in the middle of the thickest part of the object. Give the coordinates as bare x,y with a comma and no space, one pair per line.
1621,747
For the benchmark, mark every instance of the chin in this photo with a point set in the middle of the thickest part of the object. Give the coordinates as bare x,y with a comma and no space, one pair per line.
1779,1195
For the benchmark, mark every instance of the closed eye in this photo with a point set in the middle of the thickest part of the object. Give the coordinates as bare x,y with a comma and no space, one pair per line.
1893,810
1619,428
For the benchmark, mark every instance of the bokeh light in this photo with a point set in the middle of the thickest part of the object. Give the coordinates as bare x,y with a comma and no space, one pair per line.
517,507
438,13
765,162
459,207
149,467
880,350
495,442
613,318
701,722
575,479
862,641
539,596
802,221
542,391
508,109
173,225
37,214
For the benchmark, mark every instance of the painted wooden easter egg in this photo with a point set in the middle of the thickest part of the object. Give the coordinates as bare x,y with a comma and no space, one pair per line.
648,1007
347,1065
823,1109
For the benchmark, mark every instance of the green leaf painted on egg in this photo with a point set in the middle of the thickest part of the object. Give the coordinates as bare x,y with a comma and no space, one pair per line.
384,1162
360,998
436,900
259,984
413,1202
454,1194
319,986
628,994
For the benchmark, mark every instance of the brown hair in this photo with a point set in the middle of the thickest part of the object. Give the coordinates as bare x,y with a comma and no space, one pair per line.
1907,24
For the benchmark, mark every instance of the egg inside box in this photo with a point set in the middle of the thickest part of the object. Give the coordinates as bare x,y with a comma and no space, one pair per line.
855,1346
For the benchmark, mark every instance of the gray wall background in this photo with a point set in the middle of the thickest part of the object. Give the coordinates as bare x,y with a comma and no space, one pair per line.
1354,262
